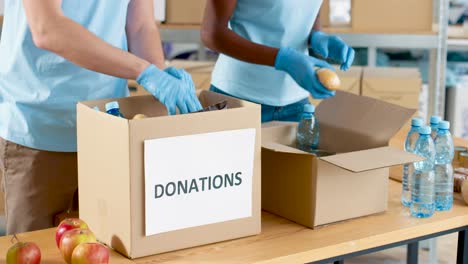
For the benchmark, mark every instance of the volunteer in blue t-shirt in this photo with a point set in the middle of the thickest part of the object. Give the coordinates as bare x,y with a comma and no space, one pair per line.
55,53
264,46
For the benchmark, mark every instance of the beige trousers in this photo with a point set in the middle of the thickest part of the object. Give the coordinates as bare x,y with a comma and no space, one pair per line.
37,185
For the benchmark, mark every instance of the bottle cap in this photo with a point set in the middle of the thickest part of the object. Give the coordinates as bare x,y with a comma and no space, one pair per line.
435,120
444,125
112,105
417,122
425,130
308,108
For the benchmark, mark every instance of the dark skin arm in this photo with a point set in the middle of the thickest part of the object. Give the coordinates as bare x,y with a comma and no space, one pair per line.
216,35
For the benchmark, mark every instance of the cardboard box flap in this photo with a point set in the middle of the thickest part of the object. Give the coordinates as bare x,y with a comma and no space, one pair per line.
283,133
371,159
283,148
350,122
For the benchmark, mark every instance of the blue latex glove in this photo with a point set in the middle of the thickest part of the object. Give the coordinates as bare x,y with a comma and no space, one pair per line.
302,69
173,87
333,48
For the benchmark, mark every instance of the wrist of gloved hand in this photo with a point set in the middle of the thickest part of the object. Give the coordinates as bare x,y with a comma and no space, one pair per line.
149,75
302,69
331,48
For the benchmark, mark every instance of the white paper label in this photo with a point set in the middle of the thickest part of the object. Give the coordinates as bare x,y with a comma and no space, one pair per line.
198,179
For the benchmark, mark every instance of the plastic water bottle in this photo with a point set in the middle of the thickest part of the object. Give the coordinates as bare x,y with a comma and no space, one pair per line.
308,130
435,125
422,195
408,169
112,108
443,168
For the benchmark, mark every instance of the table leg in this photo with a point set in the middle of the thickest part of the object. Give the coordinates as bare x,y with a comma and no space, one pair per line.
412,253
462,250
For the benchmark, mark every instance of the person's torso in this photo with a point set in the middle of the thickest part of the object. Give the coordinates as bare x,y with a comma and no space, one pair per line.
39,89
274,23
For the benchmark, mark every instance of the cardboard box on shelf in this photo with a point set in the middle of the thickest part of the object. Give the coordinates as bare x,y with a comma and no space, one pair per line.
185,12
350,82
315,191
395,16
401,86
169,182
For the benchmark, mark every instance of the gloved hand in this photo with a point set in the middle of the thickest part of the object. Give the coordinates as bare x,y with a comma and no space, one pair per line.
173,87
332,47
302,69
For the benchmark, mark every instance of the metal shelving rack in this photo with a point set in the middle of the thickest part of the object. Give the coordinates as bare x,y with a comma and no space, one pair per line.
436,42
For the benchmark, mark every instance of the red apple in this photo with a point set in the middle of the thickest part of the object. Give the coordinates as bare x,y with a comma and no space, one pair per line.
24,253
72,238
68,224
90,253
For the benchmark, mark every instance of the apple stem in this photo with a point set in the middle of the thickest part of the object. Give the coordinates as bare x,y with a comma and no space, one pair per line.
14,239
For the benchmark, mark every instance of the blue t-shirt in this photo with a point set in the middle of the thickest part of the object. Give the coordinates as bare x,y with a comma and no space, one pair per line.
39,90
275,23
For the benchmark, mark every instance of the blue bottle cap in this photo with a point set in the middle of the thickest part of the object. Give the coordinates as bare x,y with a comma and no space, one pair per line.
308,108
112,105
425,130
417,122
444,125
435,120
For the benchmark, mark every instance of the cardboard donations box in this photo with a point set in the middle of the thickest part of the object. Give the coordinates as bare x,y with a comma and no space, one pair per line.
169,182
314,191
350,81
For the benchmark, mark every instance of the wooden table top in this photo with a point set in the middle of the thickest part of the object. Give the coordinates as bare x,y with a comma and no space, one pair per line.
282,241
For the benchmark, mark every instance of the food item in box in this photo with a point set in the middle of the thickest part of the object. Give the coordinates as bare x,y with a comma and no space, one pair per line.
329,79
112,108
139,116
219,106
308,130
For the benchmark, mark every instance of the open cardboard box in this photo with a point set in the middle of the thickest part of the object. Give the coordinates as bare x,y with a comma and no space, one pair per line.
314,191
123,164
